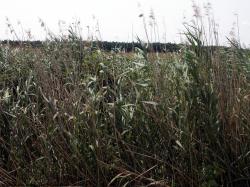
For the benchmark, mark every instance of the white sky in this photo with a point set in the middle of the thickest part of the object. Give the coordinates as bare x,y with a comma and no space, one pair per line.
119,19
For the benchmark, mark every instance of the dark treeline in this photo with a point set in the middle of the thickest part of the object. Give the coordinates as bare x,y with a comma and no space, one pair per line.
129,47
108,46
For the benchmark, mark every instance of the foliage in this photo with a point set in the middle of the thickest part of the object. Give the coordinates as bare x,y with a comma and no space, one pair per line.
75,116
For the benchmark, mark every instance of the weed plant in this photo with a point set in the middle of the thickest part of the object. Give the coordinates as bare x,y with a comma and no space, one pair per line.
71,115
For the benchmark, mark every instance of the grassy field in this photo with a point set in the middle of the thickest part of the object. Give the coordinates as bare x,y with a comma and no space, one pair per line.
70,115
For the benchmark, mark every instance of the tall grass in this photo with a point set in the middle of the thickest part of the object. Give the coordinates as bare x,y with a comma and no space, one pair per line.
71,115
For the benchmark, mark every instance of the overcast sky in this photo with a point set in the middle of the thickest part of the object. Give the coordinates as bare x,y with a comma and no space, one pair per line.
119,19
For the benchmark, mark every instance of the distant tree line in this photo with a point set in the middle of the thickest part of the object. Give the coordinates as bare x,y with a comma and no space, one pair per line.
108,46
16,43
130,46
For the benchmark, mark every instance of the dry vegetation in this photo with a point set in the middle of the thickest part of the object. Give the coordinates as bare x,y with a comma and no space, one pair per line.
73,116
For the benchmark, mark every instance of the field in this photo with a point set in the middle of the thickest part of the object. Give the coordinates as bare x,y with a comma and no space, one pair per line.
71,115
